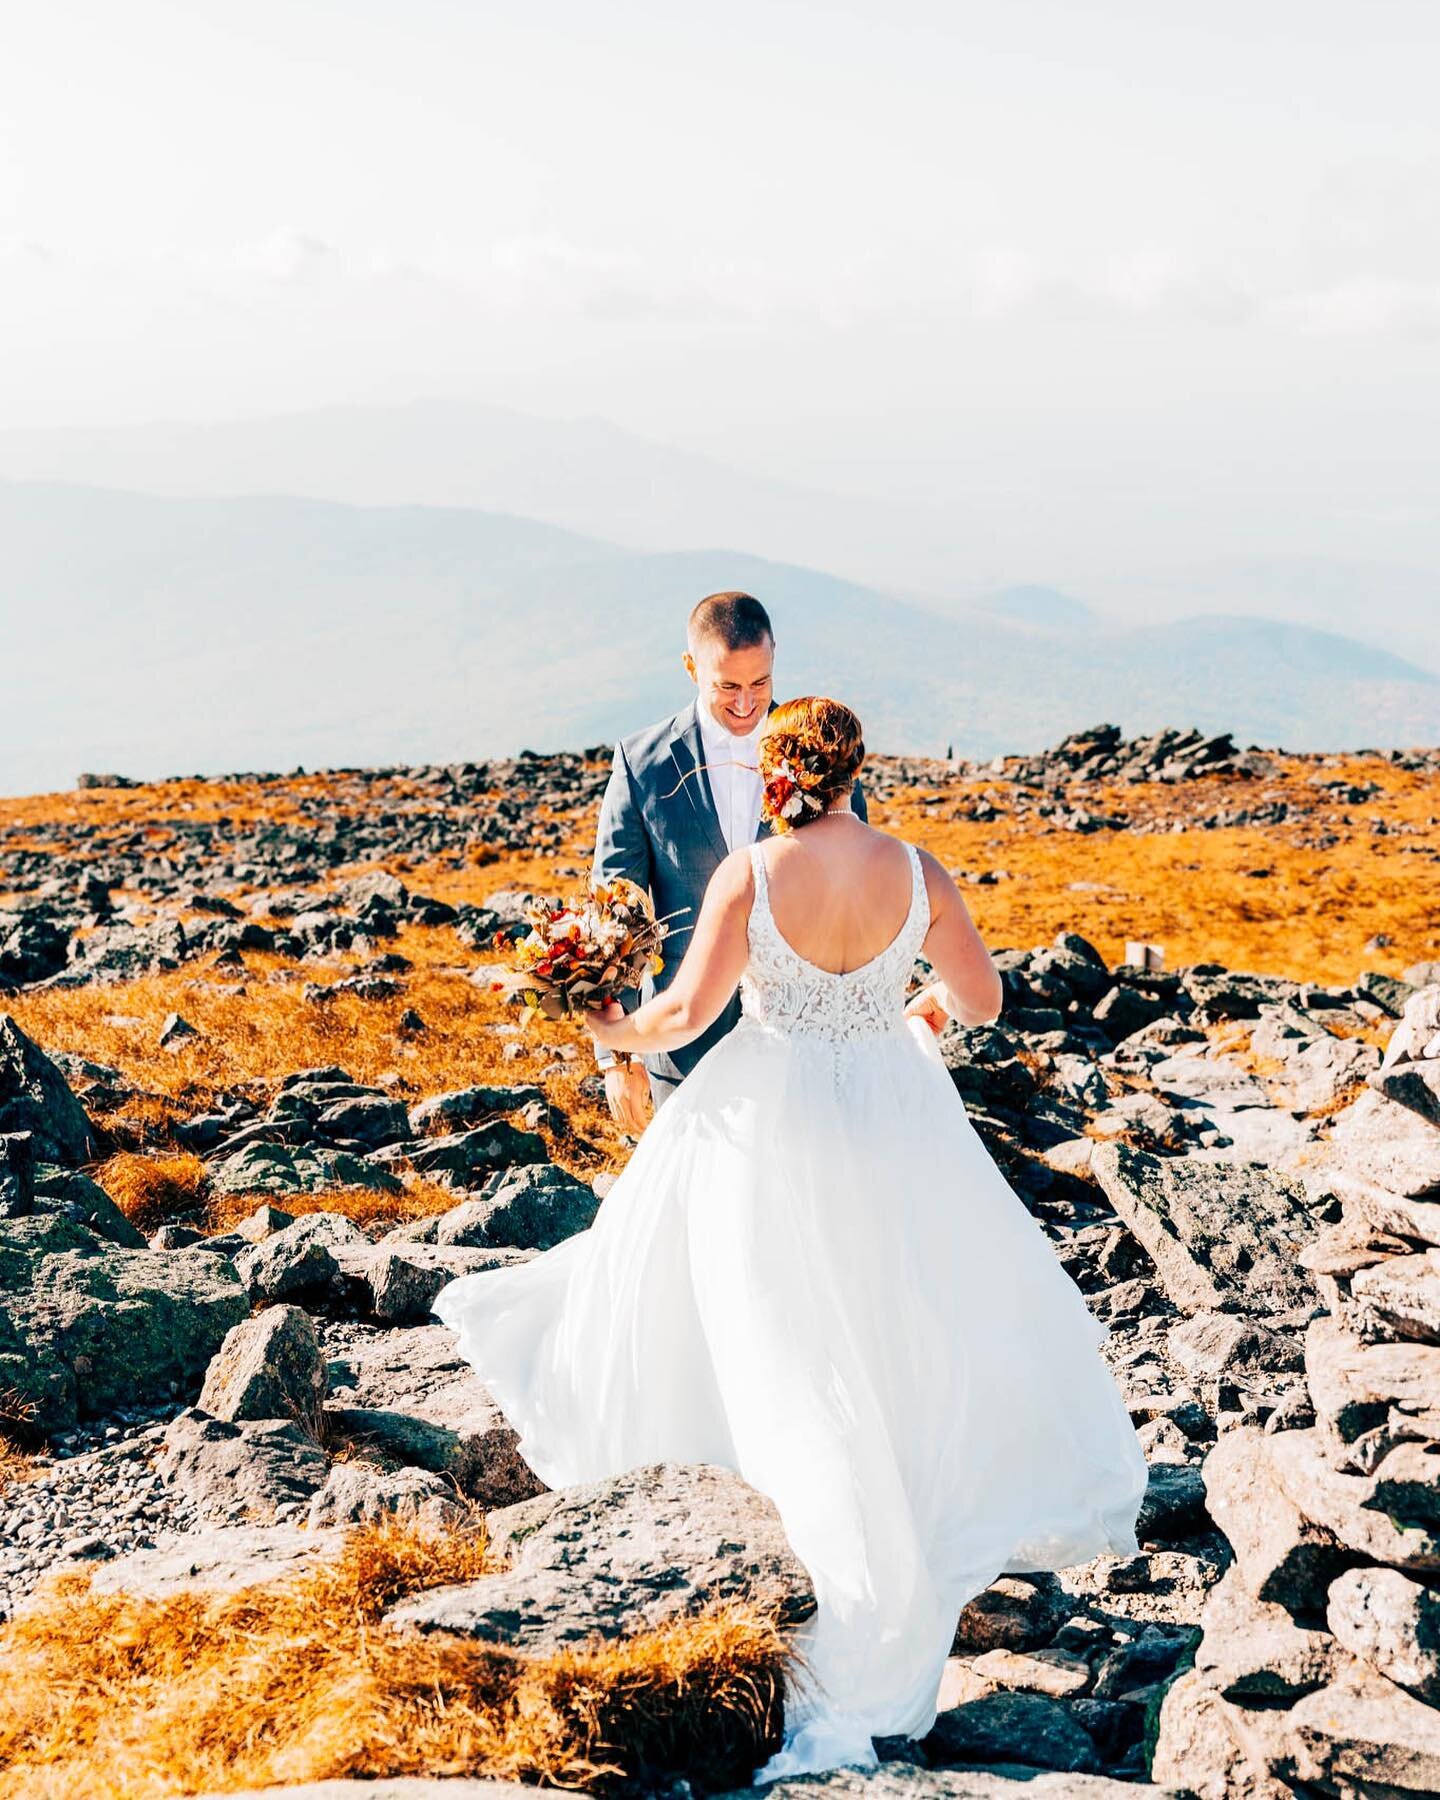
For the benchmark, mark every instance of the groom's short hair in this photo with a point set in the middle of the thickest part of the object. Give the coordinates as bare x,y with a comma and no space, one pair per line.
738,620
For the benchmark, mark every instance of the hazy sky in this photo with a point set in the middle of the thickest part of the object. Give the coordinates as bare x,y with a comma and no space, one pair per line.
1149,279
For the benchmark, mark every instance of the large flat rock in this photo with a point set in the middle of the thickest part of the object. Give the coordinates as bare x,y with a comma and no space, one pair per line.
222,1559
611,1558
1222,1235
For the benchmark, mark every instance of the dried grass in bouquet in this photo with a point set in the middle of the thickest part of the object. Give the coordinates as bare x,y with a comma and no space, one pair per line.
583,952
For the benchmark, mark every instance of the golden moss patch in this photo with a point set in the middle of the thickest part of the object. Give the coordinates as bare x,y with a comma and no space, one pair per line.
105,1694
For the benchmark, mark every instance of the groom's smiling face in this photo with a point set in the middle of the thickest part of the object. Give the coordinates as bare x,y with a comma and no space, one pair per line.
734,685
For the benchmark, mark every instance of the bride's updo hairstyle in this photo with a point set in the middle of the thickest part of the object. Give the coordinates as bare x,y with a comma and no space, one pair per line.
810,753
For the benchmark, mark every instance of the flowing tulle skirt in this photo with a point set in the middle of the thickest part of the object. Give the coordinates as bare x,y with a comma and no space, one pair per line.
812,1272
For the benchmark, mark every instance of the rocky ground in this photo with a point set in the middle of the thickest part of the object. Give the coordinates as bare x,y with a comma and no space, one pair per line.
257,1104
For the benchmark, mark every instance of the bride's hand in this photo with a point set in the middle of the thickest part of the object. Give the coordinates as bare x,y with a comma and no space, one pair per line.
929,1006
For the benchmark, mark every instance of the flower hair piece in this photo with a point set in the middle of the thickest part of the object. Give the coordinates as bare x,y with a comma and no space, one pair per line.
788,793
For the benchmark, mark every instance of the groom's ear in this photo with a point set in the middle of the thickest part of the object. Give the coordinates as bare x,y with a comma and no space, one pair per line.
689,662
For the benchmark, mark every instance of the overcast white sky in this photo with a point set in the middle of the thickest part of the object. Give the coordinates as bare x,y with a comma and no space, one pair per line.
1163,279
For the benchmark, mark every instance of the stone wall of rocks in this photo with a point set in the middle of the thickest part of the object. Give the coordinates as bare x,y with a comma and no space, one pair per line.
1319,1665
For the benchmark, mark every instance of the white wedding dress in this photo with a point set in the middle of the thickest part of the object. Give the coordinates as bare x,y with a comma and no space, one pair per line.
812,1272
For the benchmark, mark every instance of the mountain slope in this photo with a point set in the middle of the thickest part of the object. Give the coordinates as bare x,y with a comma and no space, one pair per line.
160,635
587,475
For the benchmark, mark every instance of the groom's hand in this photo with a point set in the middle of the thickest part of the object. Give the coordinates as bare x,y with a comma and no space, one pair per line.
627,1093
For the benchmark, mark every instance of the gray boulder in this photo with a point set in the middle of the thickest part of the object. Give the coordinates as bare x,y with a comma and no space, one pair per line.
1352,1509
1220,993
611,1558
249,1471
270,1168
466,1107
87,1326
1359,1387
1384,1212
1253,1648
35,1098
1198,1076
1400,1297
356,1494
269,1367
1319,1070
534,1208
1230,1347
1363,1735
1027,1729
17,1174
464,1157
298,1261
73,1195
415,1397
1283,1555
1412,1084
370,1119
263,1223
1386,1143
1173,1504
1016,1612
1204,1745
1390,1623
1223,1236
397,1283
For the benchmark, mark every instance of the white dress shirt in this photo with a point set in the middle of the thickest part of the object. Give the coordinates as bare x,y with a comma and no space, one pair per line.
737,790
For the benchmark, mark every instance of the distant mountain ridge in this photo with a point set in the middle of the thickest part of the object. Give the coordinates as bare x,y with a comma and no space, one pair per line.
161,635
591,476
1041,606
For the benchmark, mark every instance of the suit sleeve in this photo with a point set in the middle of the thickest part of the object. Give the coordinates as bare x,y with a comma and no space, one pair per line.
622,846
857,802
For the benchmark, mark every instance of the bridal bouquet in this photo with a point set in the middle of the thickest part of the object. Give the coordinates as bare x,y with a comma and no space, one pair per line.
583,952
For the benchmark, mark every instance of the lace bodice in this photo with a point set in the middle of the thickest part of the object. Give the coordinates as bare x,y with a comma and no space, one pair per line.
781,991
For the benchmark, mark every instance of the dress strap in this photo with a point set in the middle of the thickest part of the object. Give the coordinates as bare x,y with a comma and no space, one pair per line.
757,864
919,894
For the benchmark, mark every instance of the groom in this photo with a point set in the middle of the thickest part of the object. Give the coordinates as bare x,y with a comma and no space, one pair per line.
668,834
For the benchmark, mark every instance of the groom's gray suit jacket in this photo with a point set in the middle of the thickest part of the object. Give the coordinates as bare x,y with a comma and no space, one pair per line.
659,828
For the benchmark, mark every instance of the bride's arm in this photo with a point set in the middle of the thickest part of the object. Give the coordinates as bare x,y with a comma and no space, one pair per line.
969,988
709,975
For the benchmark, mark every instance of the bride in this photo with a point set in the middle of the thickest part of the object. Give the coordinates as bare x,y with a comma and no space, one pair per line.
811,1271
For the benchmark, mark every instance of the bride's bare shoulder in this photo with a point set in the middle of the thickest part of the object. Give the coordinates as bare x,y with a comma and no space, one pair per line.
735,874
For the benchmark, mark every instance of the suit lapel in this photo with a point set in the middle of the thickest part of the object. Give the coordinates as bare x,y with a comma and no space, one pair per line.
688,756
688,753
